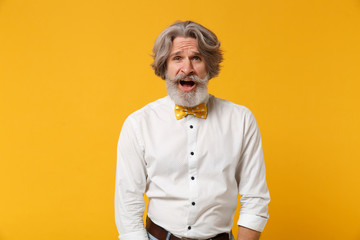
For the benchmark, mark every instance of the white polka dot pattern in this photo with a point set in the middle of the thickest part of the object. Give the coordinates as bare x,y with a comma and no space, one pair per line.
199,111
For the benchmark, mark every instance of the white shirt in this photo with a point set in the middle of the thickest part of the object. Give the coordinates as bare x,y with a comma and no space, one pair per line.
192,171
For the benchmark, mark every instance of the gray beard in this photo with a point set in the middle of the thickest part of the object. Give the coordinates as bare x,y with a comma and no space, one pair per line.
187,99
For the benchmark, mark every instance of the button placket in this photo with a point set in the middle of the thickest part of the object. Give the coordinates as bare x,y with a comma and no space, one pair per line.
192,171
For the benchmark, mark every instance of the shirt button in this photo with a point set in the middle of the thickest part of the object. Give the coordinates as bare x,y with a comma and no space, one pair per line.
192,153
189,227
192,178
191,126
193,203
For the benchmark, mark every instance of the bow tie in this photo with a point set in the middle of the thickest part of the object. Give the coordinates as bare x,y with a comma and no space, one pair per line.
199,111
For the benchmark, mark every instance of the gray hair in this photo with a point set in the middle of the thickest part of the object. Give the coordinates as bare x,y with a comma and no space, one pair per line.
208,44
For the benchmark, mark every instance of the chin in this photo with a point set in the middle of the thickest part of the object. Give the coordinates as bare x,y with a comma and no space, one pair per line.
191,98
187,99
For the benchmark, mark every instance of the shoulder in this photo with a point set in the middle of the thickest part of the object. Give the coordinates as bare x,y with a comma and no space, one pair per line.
228,108
157,108
234,115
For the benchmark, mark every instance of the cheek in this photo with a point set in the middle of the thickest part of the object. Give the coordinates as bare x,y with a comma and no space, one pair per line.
202,70
173,70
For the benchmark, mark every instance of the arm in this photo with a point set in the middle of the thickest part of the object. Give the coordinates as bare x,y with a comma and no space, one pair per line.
252,182
247,234
130,185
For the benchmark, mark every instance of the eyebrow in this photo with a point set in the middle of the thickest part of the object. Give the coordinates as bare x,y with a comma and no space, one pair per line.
179,52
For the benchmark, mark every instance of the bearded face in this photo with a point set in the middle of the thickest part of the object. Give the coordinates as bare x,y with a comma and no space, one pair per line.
187,98
186,76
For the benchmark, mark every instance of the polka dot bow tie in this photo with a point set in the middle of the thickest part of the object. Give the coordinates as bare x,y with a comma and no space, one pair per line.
199,111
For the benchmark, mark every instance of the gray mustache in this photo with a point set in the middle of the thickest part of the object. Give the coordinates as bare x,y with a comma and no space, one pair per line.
194,78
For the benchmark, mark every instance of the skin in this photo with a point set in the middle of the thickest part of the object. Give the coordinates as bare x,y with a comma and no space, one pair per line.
247,234
185,58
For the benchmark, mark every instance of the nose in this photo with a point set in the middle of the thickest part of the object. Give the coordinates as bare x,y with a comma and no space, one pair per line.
187,67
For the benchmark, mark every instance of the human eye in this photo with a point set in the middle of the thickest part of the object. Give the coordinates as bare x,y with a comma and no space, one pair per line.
176,58
197,58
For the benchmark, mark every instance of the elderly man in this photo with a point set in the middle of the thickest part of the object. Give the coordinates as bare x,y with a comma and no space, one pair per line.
191,153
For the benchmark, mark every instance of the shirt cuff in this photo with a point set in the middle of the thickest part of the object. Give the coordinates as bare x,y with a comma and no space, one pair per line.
139,235
252,221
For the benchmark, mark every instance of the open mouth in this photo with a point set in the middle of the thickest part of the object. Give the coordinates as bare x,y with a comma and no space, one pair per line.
187,83
187,86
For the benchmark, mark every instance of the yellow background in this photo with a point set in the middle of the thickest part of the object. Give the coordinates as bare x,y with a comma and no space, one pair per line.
71,71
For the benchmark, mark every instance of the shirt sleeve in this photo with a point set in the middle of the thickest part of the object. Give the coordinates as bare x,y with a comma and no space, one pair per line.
252,186
130,185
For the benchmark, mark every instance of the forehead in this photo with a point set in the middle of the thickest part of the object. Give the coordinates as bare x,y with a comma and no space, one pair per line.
184,44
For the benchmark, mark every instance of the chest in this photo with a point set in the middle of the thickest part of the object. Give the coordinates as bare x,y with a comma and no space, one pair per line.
212,146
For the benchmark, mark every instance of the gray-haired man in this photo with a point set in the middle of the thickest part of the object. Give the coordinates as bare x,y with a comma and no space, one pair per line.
191,153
